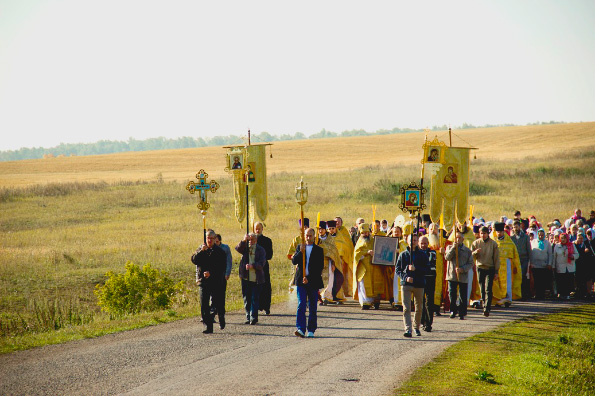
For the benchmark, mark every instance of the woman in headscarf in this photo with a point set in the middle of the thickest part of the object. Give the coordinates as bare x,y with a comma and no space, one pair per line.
541,263
565,256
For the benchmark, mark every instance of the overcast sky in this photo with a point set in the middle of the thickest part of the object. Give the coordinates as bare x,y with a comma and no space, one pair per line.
84,70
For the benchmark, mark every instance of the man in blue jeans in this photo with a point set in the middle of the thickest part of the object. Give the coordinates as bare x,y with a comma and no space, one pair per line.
308,284
412,267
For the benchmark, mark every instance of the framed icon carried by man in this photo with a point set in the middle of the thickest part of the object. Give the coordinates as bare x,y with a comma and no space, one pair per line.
385,250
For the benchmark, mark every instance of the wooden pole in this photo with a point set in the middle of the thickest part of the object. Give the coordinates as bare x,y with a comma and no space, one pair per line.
247,206
204,227
303,242
454,226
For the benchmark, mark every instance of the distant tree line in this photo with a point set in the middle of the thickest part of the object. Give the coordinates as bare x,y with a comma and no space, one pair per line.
162,143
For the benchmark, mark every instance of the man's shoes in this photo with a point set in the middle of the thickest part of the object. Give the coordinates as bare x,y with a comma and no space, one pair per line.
222,324
207,331
254,321
417,332
310,335
299,333
407,334
428,329
437,313
267,312
452,315
507,304
376,305
365,307
462,317
486,313
247,321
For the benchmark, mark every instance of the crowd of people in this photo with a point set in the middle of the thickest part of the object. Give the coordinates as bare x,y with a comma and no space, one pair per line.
480,264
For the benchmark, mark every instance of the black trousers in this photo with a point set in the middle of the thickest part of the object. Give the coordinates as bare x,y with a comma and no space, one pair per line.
427,315
214,291
565,283
458,300
337,283
264,303
486,282
540,279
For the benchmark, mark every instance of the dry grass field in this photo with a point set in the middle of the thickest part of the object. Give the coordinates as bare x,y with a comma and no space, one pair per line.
65,222
302,156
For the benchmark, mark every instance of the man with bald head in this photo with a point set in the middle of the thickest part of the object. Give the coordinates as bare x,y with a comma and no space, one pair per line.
251,273
308,279
412,267
265,293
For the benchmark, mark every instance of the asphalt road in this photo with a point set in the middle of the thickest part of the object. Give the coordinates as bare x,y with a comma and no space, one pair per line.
354,352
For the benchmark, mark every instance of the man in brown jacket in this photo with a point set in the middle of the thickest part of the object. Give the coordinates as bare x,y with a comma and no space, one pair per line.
487,260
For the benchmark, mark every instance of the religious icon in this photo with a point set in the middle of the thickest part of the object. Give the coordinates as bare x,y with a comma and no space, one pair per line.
385,250
412,198
434,154
235,161
451,176
251,176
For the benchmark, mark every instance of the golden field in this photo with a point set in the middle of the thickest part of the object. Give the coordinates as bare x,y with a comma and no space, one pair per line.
302,156
65,222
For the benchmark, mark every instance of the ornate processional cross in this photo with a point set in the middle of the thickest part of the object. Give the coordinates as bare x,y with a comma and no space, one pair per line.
202,187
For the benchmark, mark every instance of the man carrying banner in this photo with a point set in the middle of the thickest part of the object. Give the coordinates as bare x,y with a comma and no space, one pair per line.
267,244
251,272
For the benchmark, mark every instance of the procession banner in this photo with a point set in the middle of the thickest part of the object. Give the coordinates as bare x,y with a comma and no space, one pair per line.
247,164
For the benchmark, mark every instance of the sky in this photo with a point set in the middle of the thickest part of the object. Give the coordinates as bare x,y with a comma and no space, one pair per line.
79,71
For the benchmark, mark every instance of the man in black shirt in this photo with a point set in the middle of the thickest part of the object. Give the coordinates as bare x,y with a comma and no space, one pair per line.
210,261
427,317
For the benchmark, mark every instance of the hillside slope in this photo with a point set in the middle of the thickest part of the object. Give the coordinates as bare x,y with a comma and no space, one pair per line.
303,156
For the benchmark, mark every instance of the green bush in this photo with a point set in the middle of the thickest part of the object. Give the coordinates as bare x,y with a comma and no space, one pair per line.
137,290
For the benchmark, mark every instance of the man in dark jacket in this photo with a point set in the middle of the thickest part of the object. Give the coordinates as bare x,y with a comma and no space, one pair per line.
412,267
252,275
427,317
264,303
210,261
459,263
308,284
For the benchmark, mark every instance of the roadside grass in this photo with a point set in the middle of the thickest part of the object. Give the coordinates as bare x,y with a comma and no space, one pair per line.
550,354
57,241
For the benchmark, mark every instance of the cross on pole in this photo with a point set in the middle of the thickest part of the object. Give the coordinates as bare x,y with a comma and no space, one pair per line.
202,187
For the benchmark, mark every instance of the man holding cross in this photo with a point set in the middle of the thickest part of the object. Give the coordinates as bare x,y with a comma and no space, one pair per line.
211,262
